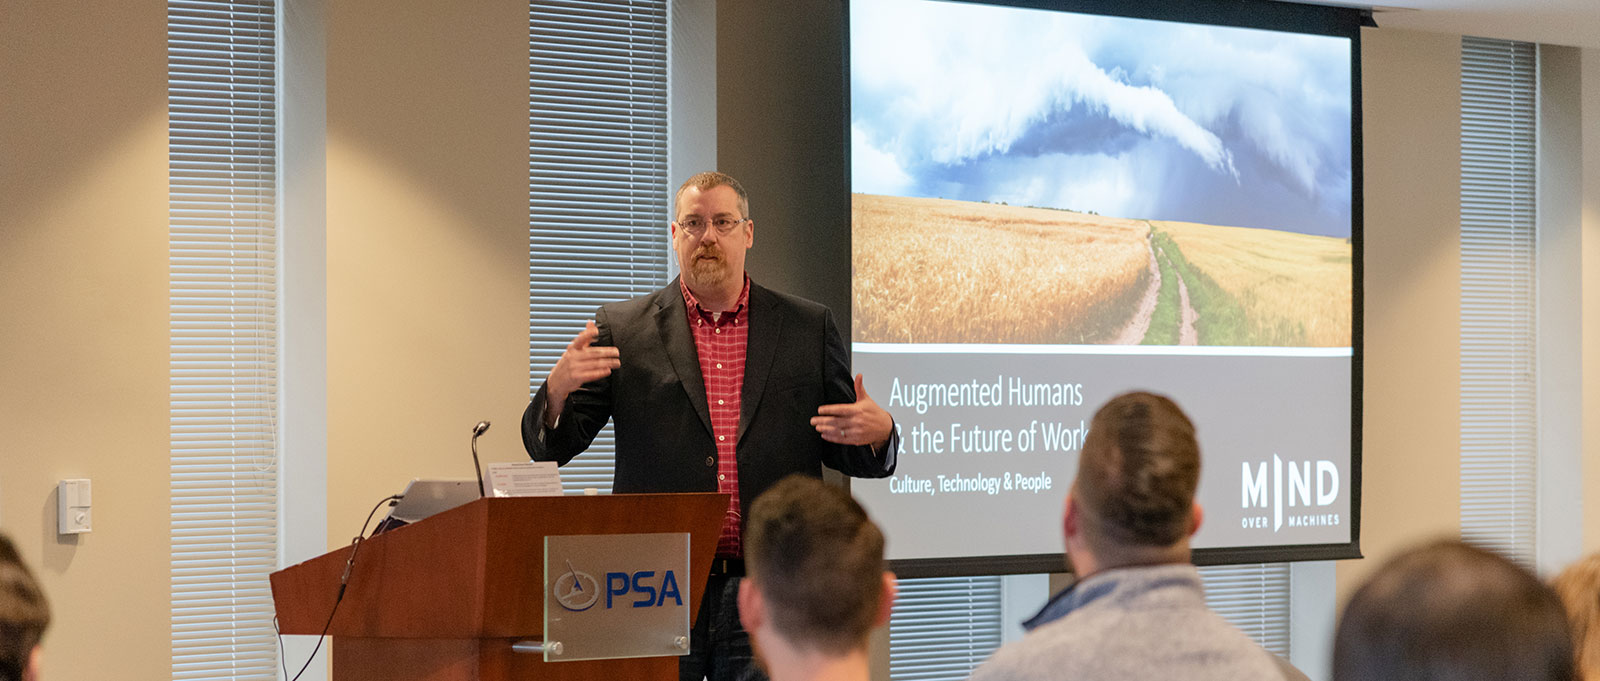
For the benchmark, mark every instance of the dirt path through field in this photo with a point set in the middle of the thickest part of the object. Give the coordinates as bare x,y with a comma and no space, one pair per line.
1133,332
1186,332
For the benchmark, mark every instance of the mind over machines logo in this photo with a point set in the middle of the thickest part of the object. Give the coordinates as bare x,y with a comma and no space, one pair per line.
1294,492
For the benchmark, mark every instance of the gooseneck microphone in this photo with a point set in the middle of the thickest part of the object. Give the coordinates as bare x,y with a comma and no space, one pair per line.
476,431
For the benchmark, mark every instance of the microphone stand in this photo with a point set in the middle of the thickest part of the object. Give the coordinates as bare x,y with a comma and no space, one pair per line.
476,431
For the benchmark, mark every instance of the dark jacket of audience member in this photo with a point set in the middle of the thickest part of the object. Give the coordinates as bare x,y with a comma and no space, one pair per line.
1450,612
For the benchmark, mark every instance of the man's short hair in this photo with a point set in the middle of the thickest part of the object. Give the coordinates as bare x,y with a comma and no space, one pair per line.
817,561
1448,611
1138,472
709,179
23,613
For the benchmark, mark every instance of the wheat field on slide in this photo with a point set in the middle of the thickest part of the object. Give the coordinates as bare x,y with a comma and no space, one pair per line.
1294,289
945,271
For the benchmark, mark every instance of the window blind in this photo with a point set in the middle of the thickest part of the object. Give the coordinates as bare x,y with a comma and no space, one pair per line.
943,628
1254,598
223,323
1499,412
597,177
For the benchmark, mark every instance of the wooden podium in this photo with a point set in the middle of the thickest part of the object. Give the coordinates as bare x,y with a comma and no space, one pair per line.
445,598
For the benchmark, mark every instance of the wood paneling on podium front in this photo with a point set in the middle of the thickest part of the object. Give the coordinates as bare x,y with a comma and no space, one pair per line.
444,599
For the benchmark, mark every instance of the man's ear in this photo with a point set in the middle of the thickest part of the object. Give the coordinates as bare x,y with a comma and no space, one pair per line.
1069,519
1194,519
751,609
891,588
31,672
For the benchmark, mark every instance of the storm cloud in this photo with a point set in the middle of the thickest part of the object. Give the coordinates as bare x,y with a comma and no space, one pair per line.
1122,117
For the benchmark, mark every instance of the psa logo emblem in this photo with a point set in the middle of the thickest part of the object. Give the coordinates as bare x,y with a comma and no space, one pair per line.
578,591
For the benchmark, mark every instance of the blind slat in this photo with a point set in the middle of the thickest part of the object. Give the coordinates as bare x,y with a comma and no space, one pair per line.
1254,598
221,109
943,628
1499,263
597,178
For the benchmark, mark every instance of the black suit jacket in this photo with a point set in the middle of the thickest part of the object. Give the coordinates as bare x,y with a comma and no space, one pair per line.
795,362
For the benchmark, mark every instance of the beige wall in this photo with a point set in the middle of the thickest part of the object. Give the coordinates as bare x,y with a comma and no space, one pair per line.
83,322
427,243
1411,435
1409,478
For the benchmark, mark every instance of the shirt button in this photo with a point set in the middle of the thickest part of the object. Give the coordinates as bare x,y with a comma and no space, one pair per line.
721,438
721,476
711,461
719,401
719,365
718,331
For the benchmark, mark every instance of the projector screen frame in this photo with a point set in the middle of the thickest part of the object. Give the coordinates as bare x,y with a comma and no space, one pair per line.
1341,22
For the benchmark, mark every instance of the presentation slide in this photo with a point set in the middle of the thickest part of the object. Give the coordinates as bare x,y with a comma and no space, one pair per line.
1052,208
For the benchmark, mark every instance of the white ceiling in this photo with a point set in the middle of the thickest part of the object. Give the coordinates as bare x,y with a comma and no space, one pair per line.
1559,22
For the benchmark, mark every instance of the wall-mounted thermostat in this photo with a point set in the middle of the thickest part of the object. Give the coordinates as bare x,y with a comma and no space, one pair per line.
72,506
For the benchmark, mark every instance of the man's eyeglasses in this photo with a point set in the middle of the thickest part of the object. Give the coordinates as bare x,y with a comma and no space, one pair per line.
697,225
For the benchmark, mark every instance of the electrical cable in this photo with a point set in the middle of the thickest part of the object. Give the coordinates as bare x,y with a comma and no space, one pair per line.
344,581
282,655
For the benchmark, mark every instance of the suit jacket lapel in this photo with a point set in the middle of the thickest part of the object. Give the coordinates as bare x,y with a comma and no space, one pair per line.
672,322
761,344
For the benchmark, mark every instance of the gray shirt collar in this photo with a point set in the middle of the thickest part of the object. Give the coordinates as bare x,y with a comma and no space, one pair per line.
1130,580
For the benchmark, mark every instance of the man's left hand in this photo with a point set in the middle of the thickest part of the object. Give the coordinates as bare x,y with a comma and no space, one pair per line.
861,422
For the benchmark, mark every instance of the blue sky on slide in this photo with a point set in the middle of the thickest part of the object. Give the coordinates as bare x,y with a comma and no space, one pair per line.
1123,117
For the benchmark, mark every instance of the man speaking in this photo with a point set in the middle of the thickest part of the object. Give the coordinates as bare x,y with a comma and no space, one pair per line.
714,384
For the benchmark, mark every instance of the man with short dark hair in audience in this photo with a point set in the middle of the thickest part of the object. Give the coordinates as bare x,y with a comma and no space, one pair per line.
1450,612
816,583
1137,610
23,617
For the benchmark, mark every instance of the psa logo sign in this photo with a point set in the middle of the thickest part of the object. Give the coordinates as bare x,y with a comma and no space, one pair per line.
1311,485
579,591
576,591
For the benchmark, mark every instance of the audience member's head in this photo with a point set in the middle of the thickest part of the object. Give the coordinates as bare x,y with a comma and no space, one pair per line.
816,583
23,617
1133,499
1579,589
1450,612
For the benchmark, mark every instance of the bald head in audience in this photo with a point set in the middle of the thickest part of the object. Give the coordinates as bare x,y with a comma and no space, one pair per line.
1446,611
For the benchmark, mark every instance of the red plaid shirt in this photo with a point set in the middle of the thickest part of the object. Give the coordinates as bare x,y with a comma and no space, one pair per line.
720,342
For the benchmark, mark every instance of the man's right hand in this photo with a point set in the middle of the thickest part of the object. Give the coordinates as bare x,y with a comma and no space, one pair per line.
580,363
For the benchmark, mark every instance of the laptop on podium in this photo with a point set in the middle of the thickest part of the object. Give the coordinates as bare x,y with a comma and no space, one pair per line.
425,497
